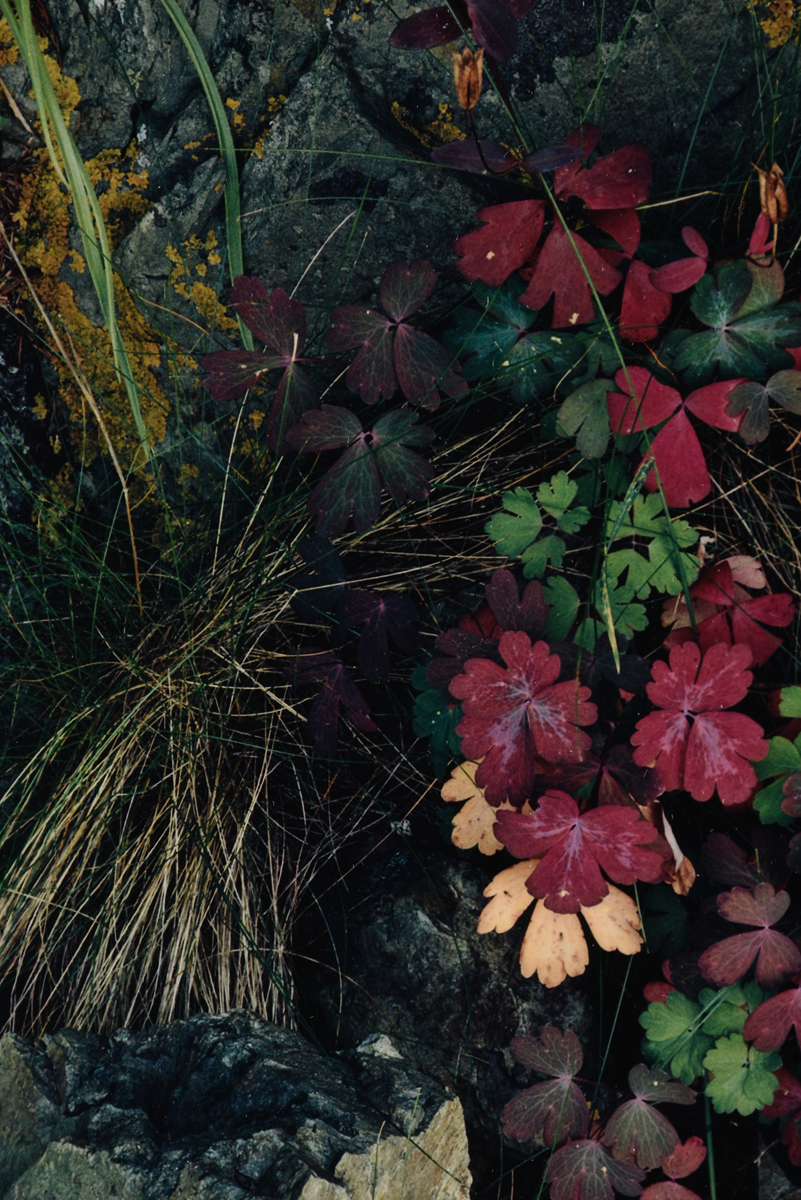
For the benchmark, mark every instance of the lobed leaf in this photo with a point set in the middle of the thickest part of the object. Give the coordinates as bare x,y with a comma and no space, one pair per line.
743,1078
506,241
675,1036
585,1170
585,413
559,272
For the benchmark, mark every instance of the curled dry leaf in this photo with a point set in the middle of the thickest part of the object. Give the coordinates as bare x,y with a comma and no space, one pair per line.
468,69
554,945
472,825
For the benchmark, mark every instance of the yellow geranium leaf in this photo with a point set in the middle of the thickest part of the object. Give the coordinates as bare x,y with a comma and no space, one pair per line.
510,898
614,922
554,946
462,783
472,826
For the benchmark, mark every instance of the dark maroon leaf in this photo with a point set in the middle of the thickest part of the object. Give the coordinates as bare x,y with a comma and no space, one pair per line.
463,155
639,1133
725,862
528,615
321,586
423,365
648,1083
622,781
431,27
585,1170
325,429
753,399
338,691
404,474
777,956
232,371
551,158
552,1053
295,395
494,27
383,617
771,1022
794,854
278,321
405,288
557,1109
791,789
456,646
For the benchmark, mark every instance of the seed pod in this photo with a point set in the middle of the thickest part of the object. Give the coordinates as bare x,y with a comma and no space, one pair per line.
773,194
468,69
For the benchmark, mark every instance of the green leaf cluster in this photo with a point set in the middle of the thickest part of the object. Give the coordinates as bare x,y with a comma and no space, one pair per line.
748,330
496,344
518,531
784,758
689,1036
435,717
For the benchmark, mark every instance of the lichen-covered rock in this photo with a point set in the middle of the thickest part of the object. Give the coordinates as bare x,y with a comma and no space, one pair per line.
221,1108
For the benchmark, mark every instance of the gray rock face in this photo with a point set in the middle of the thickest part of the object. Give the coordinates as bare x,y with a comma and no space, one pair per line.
222,1108
335,127
404,958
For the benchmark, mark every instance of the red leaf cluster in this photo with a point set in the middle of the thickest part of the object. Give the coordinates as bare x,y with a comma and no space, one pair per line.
675,450
517,712
691,741
777,957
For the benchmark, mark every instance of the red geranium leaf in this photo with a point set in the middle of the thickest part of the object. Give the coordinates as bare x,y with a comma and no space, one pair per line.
686,1158
372,372
585,139
717,749
786,1098
758,246
552,1053
431,27
463,155
326,429
791,1136
770,1023
727,961
494,27
668,1190
621,179
680,461
558,272
574,846
423,364
528,615
585,1170
644,307
404,289
649,1083
504,243
791,790
551,158
382,617
679,275
622,224
737,612
512,714
639,1133
232,371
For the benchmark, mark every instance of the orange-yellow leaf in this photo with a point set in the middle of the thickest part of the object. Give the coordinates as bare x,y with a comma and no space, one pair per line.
510,898
614,922
472,826
462,783
554,946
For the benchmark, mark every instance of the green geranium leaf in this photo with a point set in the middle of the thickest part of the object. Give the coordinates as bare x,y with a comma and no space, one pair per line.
790,703
744,1078
783,759
586,414
668,538
564,601
617,600
515,529
675,1039
728,1009
436,718
537,557
748,329
557,496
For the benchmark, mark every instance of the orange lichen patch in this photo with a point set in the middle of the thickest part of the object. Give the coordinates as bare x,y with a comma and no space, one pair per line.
779,19
237,120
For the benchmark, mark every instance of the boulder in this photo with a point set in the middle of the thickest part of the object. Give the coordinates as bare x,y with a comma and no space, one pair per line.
222,1107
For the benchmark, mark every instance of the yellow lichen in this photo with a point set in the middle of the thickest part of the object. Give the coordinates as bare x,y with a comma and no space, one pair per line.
779,19
439,131
9,51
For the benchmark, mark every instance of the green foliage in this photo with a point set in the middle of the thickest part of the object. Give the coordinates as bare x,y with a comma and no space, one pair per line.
585,414
743,1077
516,530
667,539
784,758
675,1037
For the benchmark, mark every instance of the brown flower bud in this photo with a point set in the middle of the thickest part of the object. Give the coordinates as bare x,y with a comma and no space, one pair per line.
468,69
772,194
